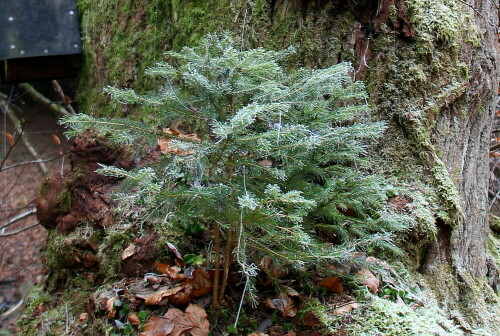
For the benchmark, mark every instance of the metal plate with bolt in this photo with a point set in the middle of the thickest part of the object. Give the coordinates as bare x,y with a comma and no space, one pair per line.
39,39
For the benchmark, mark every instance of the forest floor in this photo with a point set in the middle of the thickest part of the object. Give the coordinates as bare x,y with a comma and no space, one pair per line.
21,263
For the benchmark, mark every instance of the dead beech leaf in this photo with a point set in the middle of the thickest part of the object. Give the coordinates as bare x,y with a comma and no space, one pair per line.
369,280
10,139
134,319
201,283
156,297
128,252
110,306
171,272
268,265
165,143
157,326
311,319
265,163
198,317
83,318
284,304
333,284
289,291
180,299
257,333
345,308
176,323
174,250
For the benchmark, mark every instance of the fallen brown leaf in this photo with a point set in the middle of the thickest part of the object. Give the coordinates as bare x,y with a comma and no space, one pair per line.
174,250
157,297
180,299
268,266
276,330
110,306
128,252
284,304
175,323
311,319
198,317
333,284
257,333
172,272
369,280
166,147
345,308
201,283
158,326
134,319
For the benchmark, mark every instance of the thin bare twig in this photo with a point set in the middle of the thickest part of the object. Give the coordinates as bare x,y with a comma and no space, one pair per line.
478,13
44,100
12,233
18,270
17,218
19,128
13,184
62,96
11,148
31,162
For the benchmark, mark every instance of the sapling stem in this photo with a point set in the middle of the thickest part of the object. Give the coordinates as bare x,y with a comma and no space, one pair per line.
215,300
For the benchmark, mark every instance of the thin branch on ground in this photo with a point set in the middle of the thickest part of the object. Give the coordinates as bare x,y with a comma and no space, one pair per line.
44,100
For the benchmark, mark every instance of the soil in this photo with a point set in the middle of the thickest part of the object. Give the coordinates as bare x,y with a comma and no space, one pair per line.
20,254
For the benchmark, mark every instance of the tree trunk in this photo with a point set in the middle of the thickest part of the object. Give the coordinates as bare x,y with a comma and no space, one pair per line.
431,70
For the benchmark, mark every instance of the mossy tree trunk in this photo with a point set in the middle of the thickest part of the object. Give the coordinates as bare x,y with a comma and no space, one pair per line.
430,66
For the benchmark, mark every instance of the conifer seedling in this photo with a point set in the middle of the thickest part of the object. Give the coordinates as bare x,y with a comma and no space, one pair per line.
272,164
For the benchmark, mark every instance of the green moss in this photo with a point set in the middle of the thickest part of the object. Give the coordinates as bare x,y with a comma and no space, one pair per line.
122,39
110,251
55,314
493,246
441,23
385,318
64,200
495,223
62,251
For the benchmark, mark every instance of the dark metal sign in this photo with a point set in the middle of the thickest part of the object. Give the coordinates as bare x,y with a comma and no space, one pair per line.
39,39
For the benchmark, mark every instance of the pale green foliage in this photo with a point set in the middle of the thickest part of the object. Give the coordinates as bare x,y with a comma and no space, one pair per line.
441,21
276,161
385,318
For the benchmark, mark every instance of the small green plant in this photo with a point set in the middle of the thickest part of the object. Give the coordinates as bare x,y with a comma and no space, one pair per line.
273,162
